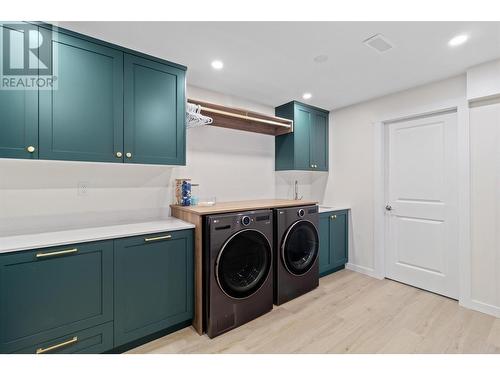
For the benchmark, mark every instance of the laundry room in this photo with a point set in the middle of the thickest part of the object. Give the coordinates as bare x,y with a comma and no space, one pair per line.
282,184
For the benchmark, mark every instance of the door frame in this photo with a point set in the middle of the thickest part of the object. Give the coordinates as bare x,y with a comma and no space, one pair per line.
380,230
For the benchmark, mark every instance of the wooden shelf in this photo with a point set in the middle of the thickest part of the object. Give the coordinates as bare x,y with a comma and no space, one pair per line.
241,119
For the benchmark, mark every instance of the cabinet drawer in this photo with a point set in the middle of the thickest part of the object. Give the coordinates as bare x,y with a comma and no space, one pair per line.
153,284
93,340
52,292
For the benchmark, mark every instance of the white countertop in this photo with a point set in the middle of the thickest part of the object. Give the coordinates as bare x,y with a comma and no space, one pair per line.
65,237
322,209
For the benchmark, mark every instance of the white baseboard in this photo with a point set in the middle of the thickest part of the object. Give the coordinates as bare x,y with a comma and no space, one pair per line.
481,307
364,270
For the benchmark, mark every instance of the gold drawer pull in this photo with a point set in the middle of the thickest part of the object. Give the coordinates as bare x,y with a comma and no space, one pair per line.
150,239
57,346
55,253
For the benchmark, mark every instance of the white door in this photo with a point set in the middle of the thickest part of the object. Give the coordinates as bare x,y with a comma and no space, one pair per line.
421,211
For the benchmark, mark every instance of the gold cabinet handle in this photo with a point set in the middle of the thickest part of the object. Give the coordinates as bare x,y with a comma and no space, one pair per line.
118,154
57,346
31,149
55,253
333,217
151,239
128,155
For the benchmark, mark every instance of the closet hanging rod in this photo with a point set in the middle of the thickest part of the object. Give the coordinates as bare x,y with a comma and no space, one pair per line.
245,117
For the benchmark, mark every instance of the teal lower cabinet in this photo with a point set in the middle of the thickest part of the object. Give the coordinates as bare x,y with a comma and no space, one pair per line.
97,296
153,284
93,340
49,294
333,234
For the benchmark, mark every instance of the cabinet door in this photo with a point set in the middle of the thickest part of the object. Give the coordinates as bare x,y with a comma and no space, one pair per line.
301,128
18,112
338,238
49,293
319,141
325,254
155,130
82,117
153,284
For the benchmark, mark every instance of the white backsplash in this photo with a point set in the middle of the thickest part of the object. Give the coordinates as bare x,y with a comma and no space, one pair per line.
42,195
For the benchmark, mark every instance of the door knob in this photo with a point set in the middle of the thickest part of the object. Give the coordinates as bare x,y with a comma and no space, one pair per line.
388,207
119,154
30,149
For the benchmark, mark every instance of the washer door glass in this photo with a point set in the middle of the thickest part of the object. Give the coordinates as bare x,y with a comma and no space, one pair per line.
244,263
300,247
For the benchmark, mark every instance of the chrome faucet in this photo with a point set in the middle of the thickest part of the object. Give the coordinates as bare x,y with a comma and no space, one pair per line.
296,191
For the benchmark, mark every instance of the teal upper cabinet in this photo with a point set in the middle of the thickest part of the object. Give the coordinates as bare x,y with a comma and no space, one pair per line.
82,117
307,147
153,284
333,232
319,141
154,112
18,117
49,295
108,104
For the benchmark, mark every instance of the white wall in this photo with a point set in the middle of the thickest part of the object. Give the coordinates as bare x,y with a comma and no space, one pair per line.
353,179
231,165
352,140
485,205
483,80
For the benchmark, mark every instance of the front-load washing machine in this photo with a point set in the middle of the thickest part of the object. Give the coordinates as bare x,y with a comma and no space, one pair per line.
296,249
238,269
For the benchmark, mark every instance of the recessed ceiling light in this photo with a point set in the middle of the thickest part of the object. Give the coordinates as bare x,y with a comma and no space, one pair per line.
217,64
307,95
457,40
321,59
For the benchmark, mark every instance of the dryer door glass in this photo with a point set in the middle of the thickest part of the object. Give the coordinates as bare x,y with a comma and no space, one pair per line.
300,247
243,264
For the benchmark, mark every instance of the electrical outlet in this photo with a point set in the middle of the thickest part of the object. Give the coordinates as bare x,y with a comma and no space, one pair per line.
83,188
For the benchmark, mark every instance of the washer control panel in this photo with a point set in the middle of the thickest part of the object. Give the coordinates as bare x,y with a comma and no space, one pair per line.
249,219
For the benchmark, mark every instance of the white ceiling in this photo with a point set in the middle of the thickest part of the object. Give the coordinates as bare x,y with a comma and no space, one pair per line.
272,62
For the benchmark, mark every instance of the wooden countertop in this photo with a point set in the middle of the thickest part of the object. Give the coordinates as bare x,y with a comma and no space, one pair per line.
236,206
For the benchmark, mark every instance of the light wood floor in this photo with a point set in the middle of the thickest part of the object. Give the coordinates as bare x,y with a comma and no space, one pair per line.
351,313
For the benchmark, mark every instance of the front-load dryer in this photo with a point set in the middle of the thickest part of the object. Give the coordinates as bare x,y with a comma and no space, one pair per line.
238,269
296,252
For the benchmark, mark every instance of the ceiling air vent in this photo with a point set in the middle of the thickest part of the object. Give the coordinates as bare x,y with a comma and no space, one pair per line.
379,43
